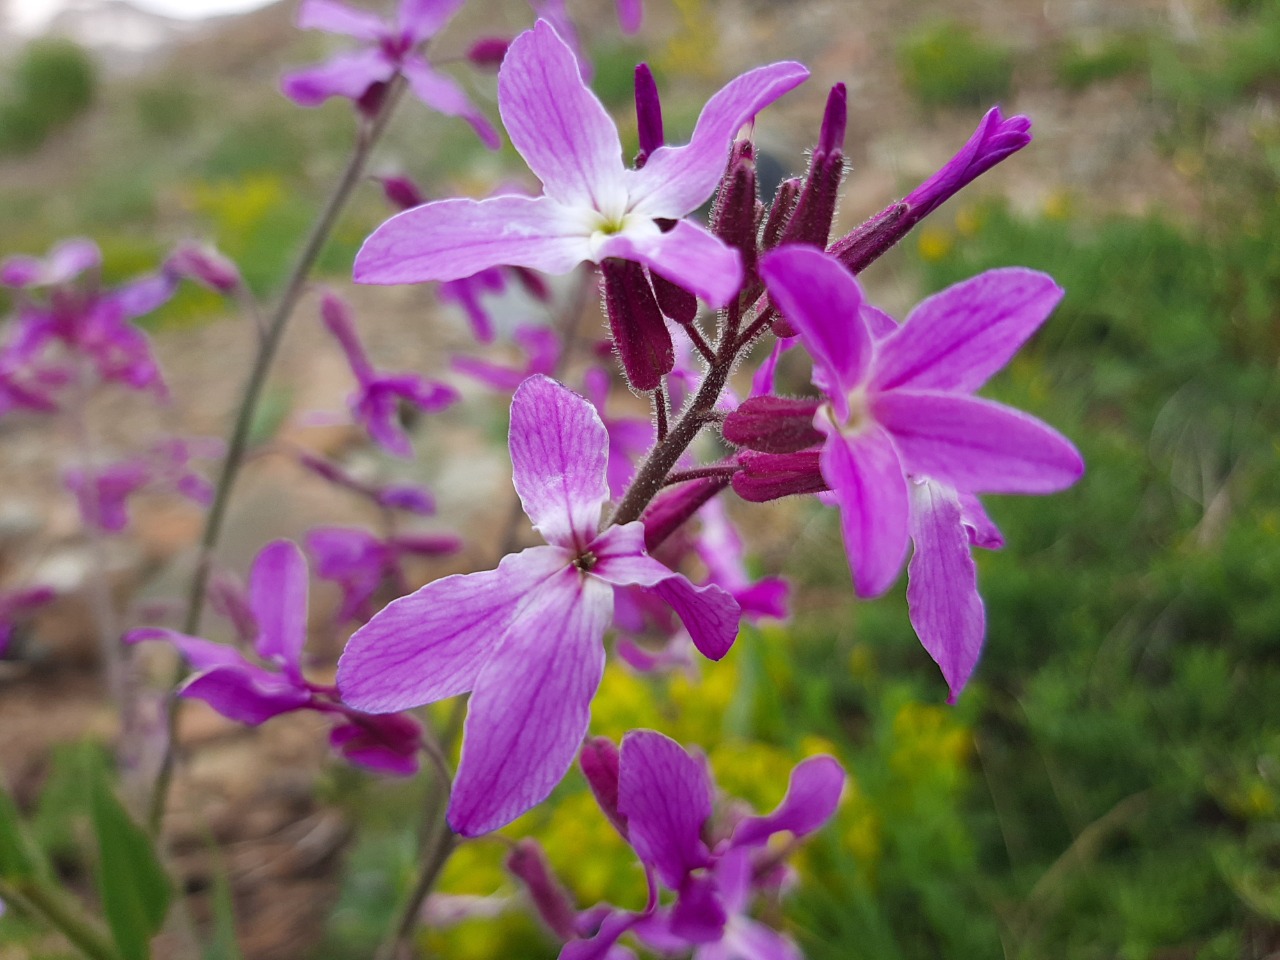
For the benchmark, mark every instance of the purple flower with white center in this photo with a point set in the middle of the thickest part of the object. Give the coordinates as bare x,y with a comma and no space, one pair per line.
61,301
592,208
376,404
252,691
541,348
905,444
661,799
392,48
361,563
526,639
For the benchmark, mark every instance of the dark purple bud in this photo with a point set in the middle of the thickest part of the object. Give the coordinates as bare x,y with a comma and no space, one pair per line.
639,332
648,114
733,214
673,507
816,206
407,497
488,52
675,301
426,544
768,476
527,861
533,284
203,264
599,760
995,139
773,425
780,211
370,102
401,192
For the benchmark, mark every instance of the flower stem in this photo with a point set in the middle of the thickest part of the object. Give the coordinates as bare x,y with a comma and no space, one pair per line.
237,447
62,913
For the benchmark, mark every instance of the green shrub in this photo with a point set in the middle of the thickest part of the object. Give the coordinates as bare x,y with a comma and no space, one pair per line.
1080,65
949,64
53,81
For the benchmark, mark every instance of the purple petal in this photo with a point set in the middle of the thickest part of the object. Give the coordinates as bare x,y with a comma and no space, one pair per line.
983,531
558,125
432,644
866,478
621,558
559,455
822,301
762,382
422,19
709,613
443,94
200,653
957,339
994,140
812,797
348,75
677,180
71,258
20,270
630,14
246,694
141,296
752,940
666,796
942,585
976,445
698,915
385,744
529,863
599,761
278,598
531,704
452,239
687,255
336,316
333,17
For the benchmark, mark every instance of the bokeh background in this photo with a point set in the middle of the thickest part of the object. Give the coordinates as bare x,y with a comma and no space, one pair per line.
1107,787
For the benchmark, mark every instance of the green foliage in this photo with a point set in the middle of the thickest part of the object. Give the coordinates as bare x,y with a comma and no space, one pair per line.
17,860
134,887
945,63
1080,66
167,109
52,82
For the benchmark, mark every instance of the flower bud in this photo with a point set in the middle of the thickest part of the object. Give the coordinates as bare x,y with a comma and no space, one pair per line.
773,424
766,476
599,761
733,214
527,861
675,301
780,212
816,206
205,265
648,113
401,192
639,331
673,507
488,52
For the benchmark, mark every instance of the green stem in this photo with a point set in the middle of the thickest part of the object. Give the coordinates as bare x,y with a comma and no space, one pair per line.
62,913
238,445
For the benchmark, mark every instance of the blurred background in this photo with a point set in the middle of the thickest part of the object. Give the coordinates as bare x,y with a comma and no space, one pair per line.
1109,784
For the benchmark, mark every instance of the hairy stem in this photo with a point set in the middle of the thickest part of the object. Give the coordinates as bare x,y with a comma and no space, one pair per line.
237,447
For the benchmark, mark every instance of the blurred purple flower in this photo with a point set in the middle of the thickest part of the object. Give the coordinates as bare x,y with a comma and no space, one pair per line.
360,563
541,347
526,638
376,404
252,691
102,493
409,497
14,607
391,49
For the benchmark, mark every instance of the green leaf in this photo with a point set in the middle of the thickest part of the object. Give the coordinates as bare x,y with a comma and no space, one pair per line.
135,890
17,862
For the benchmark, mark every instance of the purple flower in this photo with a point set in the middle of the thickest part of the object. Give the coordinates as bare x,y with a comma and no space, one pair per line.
391,48
409,497
102,493
253,691
906,445
541,347
592,208
526,638
62,302
361,563
376,404
661,799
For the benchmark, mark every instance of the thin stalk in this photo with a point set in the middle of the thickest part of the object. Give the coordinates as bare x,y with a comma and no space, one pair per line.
660,411
238,445
62,913
700,473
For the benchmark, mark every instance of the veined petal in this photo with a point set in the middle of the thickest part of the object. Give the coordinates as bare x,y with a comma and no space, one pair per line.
452,239
423,19
976,445
621,558
278,598
823,302
686,255
956,339
559,455
983,531
247,694
709,613
442,93
666,796
200,653
532,703
558,125
334,17
866,478
348,75
942,584
813,794
432,644
677,180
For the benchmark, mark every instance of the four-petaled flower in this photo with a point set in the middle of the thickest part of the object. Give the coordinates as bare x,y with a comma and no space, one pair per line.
526,638
592,207
252,692
906,445
392,48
